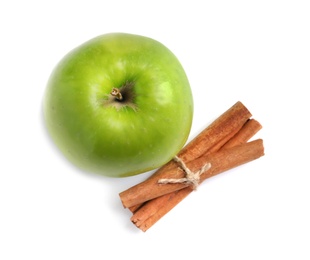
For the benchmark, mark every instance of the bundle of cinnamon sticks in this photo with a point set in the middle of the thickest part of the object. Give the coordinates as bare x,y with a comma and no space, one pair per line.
224,144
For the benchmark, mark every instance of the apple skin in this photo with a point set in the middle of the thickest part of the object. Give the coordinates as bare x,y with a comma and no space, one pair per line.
103,135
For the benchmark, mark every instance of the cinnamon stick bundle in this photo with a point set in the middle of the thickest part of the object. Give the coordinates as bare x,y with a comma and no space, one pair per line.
223,144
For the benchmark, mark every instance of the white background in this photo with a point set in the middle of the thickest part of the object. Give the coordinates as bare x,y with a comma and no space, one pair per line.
257,52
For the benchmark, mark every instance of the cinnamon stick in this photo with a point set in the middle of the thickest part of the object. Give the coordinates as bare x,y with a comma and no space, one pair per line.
210,139
221,161
249,129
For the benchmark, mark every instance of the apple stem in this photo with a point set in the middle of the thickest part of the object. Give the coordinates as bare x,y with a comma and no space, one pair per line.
117,94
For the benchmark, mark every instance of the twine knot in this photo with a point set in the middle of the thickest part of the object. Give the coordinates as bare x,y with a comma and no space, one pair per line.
191,178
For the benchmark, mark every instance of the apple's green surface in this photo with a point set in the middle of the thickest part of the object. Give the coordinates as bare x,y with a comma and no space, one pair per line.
119,105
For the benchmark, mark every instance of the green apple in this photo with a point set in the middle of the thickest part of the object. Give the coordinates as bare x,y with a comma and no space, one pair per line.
119,105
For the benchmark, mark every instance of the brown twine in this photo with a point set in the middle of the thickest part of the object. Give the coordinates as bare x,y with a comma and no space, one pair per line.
191,178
